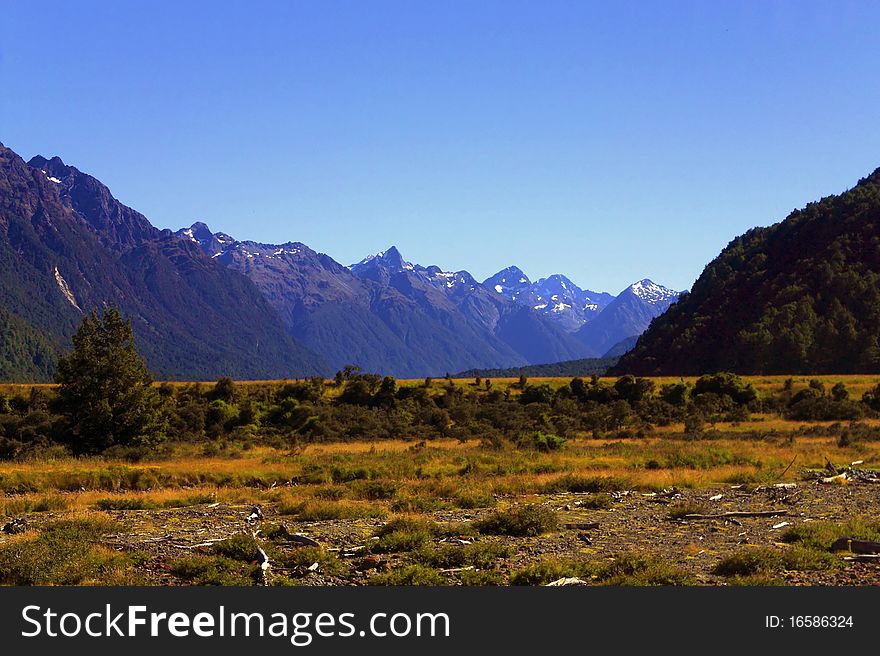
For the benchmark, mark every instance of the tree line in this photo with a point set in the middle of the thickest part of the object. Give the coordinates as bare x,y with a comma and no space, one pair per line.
106,402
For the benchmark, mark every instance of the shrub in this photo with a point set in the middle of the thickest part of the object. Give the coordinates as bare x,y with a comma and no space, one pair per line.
307,556
747,563
545,571
634,569
447,556
409,575
579,484
402,534
315,511
544,442
212,570
238,547
726,384
482,577
821,535
520,521
681,510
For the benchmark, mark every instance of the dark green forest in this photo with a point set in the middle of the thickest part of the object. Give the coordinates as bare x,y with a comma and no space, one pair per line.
799,297
584,367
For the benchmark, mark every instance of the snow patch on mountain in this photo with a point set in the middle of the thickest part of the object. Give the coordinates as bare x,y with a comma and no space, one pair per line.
652,293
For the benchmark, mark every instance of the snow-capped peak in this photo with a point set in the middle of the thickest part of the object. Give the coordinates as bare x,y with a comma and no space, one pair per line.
508,282
651,292
390,258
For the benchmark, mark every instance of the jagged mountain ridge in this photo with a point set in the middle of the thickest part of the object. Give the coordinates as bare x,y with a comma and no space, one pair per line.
386,314
556,297
628,315
67,242
68,246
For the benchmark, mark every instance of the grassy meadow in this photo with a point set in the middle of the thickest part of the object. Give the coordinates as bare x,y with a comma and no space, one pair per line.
362,484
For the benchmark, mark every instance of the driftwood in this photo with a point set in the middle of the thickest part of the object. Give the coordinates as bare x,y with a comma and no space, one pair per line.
738,513
566,581
856,546
582,526
785,471
863,558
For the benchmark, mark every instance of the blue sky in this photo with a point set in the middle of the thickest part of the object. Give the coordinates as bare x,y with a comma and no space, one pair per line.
608,141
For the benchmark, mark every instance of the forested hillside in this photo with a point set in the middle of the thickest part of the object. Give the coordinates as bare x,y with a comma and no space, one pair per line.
802,296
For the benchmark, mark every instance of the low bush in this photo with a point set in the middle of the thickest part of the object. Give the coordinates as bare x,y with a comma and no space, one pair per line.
409,575
519,521
579,484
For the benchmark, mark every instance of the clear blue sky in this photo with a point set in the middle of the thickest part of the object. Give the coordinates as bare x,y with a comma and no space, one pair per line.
609,141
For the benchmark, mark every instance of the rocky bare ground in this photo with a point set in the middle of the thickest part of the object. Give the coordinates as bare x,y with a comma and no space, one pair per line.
635,522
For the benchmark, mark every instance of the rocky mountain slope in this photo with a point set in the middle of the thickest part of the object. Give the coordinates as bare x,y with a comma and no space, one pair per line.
628,315
68,246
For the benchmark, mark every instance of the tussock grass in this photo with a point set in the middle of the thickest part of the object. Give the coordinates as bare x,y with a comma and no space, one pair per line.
580,483
305,557
766,561
66,552
319,511
212,570
22,506
403,534
519,521
821,535
682,510
627,569
478,554
410,575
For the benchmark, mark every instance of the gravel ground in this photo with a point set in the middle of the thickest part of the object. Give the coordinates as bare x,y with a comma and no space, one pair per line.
634,522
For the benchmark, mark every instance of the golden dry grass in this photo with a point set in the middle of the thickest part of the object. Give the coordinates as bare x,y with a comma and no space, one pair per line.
441,472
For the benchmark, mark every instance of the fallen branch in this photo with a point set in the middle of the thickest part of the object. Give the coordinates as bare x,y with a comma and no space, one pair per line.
738,513
784,471
582,526
863,558
856,546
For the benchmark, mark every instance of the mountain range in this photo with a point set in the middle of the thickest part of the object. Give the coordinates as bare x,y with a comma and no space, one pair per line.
387,314
67,246
205,304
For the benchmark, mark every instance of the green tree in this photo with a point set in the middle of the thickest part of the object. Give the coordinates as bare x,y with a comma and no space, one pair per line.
106,396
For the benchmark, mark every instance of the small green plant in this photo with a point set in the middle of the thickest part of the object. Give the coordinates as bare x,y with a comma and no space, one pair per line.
212,570
317,511
375,490
305,557
821,535
580,484
402,534
409,575
239,547
449,556
748,563
682,510
596,502
482,577
638,570
545,571
519,521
